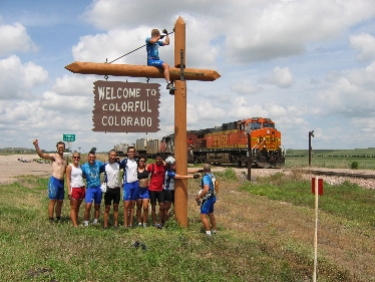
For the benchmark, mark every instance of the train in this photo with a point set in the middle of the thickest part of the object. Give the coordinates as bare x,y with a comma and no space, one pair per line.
227,144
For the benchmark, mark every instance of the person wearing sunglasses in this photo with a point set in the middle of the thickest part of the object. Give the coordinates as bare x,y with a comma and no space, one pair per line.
76,187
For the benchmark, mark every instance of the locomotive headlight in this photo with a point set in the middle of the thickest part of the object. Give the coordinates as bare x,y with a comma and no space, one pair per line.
268,131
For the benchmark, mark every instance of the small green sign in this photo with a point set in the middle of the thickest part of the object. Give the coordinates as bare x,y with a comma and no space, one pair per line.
69,137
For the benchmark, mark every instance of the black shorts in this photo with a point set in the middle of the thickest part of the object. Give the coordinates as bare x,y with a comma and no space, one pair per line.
169,196
112,195
156,195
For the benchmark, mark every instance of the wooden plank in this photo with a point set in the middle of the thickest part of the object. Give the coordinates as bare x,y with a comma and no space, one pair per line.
139,71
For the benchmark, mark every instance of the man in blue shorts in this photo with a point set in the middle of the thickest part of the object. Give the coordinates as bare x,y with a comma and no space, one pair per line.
56,182
91,172
208,198
153,59
130,185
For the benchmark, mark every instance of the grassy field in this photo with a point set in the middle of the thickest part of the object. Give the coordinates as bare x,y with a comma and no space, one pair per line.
331,158
265,233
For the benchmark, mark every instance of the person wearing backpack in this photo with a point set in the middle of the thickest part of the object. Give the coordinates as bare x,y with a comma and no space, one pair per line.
208,199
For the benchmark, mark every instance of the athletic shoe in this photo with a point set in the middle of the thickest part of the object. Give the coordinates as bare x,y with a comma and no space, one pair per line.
213,231
144,225
170,86
139,224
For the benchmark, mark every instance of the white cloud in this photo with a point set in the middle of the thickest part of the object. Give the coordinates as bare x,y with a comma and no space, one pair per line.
364,43
242,88
73,85
252,30
18,80
64,104
352,94
270,29
200,52
281,77
14,38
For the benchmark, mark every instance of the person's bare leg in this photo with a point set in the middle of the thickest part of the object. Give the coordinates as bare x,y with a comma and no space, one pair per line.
126,213
86,215
145,210
161,213
51,208
58,208
73,211
131,212
139,211
205,222
106,215
153,213
213,221
166,69
97,211
115,214
79,202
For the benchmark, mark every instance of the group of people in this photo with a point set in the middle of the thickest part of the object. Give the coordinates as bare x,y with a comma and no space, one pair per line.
141,184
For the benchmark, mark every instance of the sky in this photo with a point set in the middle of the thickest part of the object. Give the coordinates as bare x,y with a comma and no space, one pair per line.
306,64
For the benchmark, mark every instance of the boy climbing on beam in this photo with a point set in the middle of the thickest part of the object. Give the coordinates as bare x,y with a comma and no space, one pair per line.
153,59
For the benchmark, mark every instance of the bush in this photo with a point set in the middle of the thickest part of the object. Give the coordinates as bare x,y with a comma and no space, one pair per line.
354,165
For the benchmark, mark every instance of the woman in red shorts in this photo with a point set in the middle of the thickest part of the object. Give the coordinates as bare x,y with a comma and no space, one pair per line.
76,187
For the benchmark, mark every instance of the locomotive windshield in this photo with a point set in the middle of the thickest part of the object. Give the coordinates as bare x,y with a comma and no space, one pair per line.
255,125
270,125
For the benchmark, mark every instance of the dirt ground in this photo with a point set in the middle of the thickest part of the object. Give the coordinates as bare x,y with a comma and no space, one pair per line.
11,167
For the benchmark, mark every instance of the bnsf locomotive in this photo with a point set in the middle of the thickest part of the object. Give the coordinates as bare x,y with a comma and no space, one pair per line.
226,144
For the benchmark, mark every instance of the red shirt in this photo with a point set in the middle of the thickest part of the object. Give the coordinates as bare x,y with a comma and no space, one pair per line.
157,177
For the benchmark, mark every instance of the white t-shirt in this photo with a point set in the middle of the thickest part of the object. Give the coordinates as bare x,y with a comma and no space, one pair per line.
112,172
131,171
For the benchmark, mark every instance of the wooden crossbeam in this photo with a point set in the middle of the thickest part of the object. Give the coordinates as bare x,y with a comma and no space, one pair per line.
140,71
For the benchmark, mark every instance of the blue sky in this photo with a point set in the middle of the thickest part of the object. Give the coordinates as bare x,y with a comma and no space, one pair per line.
308,65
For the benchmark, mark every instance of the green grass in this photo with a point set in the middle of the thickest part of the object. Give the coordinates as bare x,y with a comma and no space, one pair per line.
331,158
32,249
347,200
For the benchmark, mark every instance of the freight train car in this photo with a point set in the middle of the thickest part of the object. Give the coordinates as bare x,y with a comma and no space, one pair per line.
228,144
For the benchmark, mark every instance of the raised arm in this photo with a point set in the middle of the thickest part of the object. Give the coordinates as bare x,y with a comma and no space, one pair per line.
179,176
40,153
166,40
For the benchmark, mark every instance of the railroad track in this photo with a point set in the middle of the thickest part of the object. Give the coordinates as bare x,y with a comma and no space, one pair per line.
339,173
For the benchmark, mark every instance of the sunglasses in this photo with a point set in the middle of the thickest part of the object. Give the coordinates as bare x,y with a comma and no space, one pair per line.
76,157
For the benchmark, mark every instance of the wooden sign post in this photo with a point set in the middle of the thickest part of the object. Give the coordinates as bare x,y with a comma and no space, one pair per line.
180,124
179,74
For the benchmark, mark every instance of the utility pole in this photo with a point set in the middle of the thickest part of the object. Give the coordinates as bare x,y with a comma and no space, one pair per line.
311,134
249,151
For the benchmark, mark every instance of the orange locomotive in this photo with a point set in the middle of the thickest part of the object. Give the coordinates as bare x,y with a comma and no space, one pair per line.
228,143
